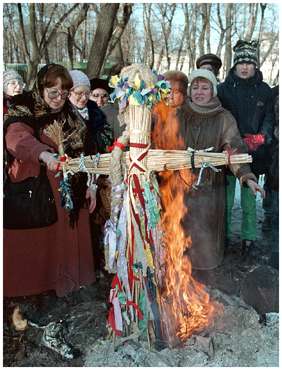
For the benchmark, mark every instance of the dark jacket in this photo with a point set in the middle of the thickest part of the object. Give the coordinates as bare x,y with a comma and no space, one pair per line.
111,113
250,102
100,134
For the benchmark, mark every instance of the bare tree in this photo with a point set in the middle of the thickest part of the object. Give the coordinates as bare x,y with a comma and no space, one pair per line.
149,41
106,20
222,31
38,44
126,11
228,42
269,49
253,12
204,17
72,29
167,11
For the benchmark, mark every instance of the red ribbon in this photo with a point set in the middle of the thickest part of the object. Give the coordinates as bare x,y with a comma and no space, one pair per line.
138,145
116,144
116,282
137,309
230,152
112,322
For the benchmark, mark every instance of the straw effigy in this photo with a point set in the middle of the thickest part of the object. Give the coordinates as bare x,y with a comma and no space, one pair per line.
133,234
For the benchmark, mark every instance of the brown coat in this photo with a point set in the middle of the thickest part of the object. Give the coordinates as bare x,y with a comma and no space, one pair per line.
202,128
56,257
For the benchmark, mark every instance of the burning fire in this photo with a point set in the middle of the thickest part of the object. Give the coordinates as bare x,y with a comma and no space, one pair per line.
185,305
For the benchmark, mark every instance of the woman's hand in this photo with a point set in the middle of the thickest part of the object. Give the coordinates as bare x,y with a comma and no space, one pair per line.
255,187
50,160
91,195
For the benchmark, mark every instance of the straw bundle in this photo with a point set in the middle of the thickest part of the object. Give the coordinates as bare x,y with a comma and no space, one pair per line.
139,119
160,160
55,133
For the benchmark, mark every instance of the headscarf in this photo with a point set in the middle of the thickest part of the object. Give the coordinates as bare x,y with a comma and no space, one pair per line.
31,109
79,78
10,75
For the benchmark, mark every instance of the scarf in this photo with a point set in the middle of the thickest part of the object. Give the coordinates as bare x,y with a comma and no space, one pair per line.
212,108
31,109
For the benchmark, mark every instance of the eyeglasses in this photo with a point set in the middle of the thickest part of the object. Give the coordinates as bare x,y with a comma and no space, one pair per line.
54,93
103,96
14,83
79,95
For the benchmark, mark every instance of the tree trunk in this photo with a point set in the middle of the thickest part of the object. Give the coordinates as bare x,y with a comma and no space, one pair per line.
262,7
108,13
222,31
120,27
228,45
147,8
38,48
201,41
253,12
72,29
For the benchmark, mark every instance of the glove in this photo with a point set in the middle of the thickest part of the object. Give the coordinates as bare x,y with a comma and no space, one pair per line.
253,142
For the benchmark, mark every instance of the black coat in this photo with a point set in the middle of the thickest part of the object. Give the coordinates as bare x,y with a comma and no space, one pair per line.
250,102
99,131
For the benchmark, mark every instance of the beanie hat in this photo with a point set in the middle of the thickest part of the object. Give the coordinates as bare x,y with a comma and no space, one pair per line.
99,83
79,78
211,59
206,74
9,76
245,51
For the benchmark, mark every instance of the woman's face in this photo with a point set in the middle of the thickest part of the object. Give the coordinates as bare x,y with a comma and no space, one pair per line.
54,96
176,96
14,87
100,96
201,91
79,96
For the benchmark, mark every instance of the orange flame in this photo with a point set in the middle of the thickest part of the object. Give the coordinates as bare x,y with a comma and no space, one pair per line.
185,305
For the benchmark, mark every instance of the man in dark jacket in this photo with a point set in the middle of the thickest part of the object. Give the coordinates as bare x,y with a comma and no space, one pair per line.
248,98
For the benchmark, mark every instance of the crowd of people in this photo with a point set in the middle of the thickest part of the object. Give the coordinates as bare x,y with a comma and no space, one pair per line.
238,115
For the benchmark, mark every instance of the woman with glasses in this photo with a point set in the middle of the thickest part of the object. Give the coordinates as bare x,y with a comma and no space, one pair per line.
89,113
92,116
57,257
100,91
12,85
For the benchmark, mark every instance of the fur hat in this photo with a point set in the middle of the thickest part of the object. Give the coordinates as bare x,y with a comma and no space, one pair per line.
206,74
245,51
211,59
177,76
79,78
9,76
99,83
